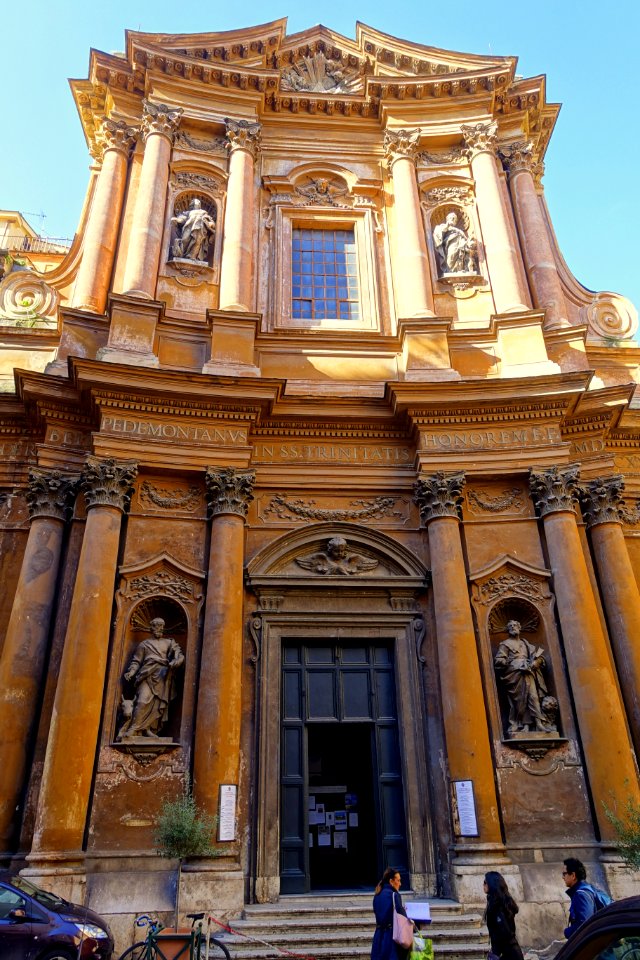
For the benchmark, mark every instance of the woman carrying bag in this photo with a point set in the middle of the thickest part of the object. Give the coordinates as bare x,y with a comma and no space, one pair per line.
500,918
387,902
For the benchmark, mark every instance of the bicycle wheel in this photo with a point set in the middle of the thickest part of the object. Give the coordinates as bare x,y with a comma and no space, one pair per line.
217,950
137,952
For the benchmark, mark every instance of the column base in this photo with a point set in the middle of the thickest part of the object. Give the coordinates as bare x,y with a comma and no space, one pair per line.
62,874
221,369
113,355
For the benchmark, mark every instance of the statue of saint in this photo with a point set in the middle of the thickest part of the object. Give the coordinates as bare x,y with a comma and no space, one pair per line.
457,253
194,228
520,666
152,670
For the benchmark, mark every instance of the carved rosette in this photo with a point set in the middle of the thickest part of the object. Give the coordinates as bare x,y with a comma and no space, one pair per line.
399,144
160,118
117,135
555,490
518,156
51,494
229,490
243,135
480,137
439,496
107,483
601,500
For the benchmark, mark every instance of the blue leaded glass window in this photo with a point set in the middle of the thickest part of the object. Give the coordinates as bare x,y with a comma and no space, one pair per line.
324,275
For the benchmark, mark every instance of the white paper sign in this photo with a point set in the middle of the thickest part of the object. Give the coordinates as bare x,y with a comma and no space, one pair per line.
340,839
353,819
227,815
324,836
330,818
466,807
315,818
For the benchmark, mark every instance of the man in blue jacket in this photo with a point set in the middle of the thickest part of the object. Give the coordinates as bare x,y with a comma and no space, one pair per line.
581,894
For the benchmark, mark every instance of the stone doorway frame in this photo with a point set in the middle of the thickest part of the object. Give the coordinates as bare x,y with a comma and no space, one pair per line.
380,605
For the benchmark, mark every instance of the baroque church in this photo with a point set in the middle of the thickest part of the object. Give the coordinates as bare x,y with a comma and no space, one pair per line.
318,488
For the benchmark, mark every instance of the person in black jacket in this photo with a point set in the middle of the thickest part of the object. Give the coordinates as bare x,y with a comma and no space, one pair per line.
500,917
383,946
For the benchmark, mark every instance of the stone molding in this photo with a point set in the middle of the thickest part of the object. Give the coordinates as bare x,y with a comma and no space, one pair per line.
480,137
160,118
555,490
51,493
401,144
601,500
108,483
229,490
518,156
439,496
117,135
243,135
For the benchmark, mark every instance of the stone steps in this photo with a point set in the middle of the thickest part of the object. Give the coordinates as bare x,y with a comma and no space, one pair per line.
340,927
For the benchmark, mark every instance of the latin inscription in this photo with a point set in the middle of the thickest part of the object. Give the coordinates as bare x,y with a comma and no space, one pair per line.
188,433
490,439
333,452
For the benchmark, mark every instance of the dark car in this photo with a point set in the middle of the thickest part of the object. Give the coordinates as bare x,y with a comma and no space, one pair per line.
612,933
35,925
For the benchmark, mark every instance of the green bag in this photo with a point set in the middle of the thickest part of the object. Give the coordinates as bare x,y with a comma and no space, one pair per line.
422,948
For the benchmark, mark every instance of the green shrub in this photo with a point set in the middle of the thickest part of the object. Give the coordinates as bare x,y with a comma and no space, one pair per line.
627,829
182,830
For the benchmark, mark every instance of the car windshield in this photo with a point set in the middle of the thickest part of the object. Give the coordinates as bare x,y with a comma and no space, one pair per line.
49,900
626,948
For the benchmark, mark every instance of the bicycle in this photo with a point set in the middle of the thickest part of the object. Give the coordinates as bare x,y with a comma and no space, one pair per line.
198,944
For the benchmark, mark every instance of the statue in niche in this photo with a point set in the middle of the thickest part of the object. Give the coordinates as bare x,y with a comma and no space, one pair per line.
457,253
337,560
194,229
152,670
521,667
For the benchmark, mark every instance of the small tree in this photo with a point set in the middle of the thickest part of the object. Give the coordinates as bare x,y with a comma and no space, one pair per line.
627,829
183,831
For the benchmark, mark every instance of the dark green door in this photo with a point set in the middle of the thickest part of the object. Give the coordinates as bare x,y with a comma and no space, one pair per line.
340,760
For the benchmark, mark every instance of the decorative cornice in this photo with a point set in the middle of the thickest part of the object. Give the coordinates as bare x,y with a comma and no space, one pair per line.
439,496
243,135
399,144
117,135
601,500
480,137
229,490
518,156
555,490
51,493
160,118
108,483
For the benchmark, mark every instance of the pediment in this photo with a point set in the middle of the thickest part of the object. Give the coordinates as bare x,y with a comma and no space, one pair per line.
508,578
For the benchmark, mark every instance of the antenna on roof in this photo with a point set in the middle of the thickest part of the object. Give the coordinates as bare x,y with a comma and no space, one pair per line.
41,216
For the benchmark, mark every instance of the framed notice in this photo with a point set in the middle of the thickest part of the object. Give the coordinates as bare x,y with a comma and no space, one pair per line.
465,820
227,811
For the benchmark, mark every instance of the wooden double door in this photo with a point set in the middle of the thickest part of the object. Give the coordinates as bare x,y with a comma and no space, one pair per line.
342,810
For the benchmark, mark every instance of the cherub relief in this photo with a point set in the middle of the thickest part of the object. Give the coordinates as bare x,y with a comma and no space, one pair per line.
337,560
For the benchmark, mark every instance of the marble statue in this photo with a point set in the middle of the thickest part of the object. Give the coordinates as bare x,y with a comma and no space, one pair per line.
457,253
152,670
520,667
194,229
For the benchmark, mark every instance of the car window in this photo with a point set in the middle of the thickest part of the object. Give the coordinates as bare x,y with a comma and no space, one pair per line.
48,900
9,900
626,948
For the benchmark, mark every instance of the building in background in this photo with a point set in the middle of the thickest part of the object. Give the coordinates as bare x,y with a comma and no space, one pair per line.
315,458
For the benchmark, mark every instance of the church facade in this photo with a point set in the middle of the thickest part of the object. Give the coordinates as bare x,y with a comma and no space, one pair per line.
318,488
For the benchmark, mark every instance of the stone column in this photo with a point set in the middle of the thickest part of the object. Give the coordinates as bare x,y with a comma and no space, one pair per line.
236,271
411,274
73,736
608,753
499,243
159,125
101,234
465,724
50,496
219,714
538,255
601,508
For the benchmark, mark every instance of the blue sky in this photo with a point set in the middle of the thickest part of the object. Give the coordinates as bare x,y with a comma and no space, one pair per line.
588,50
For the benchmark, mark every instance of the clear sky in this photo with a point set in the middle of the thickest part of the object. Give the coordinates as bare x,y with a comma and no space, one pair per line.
587,48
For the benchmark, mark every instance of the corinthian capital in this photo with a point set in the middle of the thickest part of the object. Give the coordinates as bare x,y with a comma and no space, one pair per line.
555,490
117,135
601,500
518,156
480,137
401,143
229,490
243,135
51,494
107,483
439,495
160,118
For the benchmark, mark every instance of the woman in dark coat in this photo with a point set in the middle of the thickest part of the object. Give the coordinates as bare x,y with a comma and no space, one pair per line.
383,947
500,917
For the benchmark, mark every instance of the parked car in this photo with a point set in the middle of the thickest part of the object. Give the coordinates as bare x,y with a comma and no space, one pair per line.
612,933
36,925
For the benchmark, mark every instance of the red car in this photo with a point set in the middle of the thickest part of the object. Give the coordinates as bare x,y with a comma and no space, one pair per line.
35,925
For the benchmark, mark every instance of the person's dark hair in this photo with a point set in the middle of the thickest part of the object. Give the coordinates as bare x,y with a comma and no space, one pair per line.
498,893
386,877
576,866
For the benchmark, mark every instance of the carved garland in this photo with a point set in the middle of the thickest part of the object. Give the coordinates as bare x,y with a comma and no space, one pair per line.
375,509
480,502
167,499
